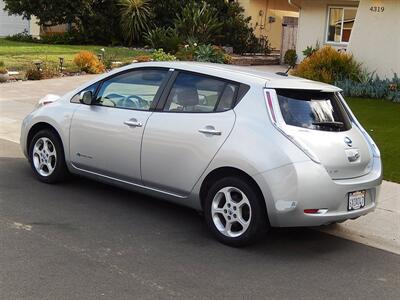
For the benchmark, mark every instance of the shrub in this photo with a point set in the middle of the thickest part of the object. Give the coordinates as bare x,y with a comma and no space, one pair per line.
33,74
372,87
160,55
328,65
60,38
88,62
135,18
142,58
165,38
234,29
3,69
22,37
47,70
198,20
208,53
50,70
310,50
237,32
186,52
227,59
290,58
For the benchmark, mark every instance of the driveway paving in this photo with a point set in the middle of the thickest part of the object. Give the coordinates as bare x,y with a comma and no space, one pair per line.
86,240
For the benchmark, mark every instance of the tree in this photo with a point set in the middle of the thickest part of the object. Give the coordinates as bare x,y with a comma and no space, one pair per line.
135,18
50,12
94,19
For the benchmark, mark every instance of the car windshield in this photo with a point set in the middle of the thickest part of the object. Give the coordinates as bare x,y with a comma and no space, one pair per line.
313,110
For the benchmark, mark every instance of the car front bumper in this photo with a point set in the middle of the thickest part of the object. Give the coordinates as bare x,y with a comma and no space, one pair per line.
24,135
291,189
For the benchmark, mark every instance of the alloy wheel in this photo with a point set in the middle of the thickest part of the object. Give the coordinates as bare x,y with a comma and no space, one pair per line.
44,156
231,211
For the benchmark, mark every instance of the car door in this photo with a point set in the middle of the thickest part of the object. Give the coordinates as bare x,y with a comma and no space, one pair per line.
180,140
106,137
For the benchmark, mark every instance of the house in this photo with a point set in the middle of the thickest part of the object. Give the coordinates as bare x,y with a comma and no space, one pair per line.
369,29
267,17
10,25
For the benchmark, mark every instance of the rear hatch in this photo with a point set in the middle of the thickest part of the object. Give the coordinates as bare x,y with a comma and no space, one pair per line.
318,122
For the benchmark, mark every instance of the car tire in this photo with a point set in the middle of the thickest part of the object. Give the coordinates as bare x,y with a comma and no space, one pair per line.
234,212
46,155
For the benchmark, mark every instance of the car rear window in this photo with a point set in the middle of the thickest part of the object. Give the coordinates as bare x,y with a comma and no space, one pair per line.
313,110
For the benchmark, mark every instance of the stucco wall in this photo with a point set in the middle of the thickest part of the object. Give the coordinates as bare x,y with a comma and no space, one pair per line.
375,40
274,8
11,24
274,30
312,23
14,24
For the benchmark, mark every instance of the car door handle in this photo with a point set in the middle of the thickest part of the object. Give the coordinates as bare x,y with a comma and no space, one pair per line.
133,123
210,130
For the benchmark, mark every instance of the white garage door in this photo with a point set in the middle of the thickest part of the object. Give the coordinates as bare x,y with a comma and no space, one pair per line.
11,24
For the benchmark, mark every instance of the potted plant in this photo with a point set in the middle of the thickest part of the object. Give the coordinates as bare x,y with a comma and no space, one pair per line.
3,72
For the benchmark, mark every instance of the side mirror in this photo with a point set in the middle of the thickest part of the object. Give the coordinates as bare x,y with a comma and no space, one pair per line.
86,97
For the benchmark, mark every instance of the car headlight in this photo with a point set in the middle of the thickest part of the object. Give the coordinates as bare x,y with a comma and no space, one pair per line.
49,98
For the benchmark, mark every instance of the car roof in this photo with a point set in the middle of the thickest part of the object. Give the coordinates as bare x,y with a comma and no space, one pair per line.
243,74
239,73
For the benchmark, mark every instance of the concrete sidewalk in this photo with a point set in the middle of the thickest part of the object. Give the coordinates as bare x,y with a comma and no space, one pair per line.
380,229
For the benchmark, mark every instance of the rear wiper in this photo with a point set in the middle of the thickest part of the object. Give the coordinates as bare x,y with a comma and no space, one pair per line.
329,123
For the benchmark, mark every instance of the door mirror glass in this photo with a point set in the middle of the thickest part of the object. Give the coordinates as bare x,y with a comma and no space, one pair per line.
86,97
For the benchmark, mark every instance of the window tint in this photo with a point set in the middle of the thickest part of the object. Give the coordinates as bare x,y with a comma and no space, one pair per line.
92,88
227,97
313,110
132,90
196,93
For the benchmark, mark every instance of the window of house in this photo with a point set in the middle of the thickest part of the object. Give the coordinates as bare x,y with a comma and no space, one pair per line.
340,24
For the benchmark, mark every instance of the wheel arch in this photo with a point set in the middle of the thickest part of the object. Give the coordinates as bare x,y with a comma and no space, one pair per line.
38,127
226,172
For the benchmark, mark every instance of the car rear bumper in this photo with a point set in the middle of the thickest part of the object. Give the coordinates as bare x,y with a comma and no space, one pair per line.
291,189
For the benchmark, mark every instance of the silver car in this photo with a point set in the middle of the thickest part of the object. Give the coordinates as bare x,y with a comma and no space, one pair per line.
250,149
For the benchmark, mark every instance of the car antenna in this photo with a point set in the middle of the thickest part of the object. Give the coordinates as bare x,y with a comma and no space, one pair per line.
282,74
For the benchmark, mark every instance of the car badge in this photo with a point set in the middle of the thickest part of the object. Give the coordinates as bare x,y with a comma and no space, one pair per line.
348,141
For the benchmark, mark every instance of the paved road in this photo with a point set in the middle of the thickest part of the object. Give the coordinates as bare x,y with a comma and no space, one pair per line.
85,240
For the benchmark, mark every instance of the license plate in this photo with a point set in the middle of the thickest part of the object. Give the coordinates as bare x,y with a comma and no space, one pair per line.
356,200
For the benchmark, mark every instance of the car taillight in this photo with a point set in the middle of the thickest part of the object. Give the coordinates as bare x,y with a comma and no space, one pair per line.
270,106
272,110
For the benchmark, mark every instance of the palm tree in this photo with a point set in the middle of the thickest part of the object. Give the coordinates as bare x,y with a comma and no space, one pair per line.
135,18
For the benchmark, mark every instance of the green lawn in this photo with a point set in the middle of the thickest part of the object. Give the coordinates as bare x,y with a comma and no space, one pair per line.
382,121
17,56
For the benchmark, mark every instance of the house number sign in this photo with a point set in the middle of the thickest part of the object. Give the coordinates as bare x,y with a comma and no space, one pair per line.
377,9
377,6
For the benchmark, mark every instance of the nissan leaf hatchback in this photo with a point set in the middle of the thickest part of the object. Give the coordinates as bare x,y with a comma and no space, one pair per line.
250,149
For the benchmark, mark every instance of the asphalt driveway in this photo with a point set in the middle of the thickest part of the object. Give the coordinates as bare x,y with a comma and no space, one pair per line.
85,240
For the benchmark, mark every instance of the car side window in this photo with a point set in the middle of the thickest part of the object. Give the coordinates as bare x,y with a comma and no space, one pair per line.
200,94
132,90
92,88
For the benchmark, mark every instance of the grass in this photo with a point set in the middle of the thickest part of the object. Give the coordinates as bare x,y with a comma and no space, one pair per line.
382,121
18,56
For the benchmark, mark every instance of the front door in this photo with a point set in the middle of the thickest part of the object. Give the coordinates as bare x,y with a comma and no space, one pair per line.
180,141
106,137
